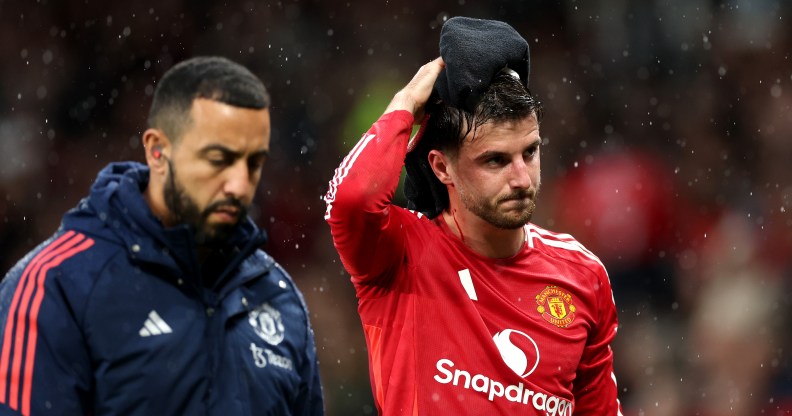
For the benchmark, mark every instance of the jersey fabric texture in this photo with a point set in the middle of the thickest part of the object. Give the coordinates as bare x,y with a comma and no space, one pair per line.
452,332
109,316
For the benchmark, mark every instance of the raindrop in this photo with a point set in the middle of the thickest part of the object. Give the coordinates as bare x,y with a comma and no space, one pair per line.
775,91
134,142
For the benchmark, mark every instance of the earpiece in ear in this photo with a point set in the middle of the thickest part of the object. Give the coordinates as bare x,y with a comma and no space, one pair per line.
156,152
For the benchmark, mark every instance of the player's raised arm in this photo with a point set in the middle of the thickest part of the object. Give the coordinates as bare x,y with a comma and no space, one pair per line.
361,191
415,94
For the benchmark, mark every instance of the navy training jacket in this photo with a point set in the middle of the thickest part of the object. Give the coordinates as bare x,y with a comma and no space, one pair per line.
109,317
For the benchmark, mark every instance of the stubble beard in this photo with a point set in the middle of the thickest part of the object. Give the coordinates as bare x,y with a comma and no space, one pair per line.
491,212
184,210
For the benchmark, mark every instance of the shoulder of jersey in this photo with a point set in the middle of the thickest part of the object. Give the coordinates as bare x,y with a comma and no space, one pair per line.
558,245
416,214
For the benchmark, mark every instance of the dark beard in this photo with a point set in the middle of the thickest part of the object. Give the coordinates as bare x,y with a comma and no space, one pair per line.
490,213
184,210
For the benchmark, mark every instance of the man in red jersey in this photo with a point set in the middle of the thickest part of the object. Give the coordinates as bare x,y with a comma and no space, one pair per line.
475,311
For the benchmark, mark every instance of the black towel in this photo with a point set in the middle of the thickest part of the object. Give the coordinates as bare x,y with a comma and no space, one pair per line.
474,51
424,192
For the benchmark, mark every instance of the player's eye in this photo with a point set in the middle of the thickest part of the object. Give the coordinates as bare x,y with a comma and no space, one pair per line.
256,163
496,161
219,159
532,151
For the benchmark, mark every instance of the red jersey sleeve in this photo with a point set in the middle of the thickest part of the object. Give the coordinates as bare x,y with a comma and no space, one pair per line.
359,199
595,387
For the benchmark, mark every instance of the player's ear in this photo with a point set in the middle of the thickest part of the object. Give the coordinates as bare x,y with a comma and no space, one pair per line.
157,148
440,165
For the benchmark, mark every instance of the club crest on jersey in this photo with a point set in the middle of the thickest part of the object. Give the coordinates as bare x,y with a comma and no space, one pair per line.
267,323
556,306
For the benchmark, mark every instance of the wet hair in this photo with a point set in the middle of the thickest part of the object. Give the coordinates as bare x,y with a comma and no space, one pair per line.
210,77
506,99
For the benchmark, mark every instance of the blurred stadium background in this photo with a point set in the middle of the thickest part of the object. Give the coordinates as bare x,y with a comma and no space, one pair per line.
668,152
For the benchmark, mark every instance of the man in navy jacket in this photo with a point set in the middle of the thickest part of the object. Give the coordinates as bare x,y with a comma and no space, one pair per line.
153,297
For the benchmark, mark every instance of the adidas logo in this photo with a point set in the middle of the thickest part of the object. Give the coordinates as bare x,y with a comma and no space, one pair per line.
154,325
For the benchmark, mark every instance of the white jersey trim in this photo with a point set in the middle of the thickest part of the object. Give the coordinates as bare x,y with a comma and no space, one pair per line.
343,170
467,283
618,403
562,241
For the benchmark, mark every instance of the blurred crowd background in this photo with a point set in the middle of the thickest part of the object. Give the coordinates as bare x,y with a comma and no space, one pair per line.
667,151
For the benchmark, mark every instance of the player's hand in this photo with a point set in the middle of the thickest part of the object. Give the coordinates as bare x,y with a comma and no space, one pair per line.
415,94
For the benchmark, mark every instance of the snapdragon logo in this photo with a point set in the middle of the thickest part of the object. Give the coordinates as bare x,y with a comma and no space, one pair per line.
550,405
521,358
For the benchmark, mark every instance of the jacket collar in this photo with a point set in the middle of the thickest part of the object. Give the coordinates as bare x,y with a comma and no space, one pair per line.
117,209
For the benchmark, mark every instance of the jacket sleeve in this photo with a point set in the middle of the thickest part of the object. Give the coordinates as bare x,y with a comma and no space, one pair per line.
310,401
310,398
359,198
44,362
595,387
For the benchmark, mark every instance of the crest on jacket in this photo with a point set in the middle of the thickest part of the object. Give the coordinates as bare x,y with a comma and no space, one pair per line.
267,323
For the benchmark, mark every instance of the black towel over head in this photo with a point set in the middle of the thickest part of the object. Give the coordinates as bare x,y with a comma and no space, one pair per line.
474,52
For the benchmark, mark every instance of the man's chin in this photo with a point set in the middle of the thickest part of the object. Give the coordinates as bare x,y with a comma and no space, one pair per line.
515,219
512,224
216,234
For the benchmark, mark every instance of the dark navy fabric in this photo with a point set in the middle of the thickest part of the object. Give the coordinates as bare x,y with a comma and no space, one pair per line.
126,327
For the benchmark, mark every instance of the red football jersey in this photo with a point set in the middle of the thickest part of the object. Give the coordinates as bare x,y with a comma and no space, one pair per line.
451,332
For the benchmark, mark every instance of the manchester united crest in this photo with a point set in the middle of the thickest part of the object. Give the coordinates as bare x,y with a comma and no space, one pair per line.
556,306
267,323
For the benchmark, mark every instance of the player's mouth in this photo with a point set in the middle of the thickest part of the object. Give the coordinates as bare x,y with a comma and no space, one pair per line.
518,201
226,213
